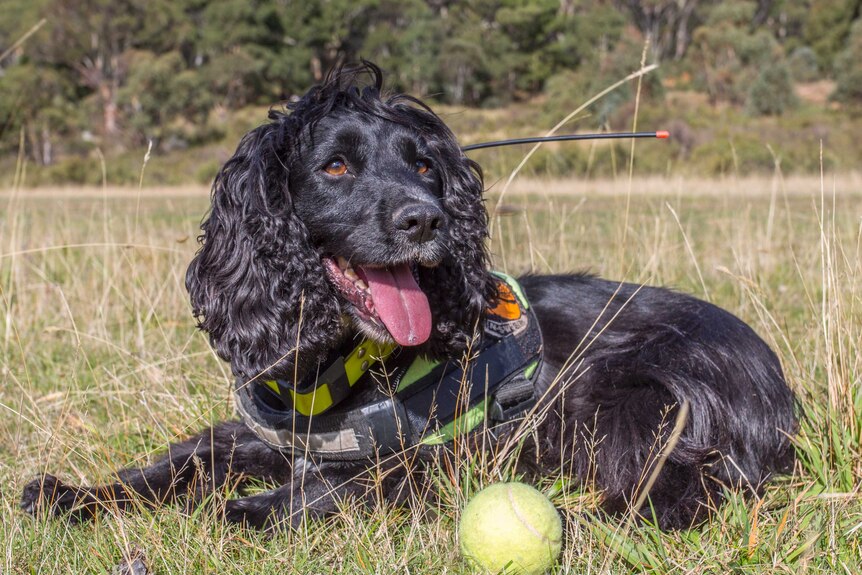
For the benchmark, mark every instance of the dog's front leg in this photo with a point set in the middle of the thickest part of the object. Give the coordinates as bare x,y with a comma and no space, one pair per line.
318,489
226,453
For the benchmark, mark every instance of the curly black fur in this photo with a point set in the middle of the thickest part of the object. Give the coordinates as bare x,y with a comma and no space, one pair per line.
243,282
619,359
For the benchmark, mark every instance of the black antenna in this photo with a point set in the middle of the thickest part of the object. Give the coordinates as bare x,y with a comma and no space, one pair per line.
660,134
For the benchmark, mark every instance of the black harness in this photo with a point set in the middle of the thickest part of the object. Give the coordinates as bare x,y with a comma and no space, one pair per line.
348,411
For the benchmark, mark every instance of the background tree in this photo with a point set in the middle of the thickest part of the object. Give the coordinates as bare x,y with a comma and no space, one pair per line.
116,73
827,27
667,23
728,55
848,68
404,38
95,39
36,102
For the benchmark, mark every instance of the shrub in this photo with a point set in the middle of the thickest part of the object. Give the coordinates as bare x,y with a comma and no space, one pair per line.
737,154
848,68
803,64
771,93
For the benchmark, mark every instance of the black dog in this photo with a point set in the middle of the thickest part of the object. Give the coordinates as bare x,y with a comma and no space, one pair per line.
358,215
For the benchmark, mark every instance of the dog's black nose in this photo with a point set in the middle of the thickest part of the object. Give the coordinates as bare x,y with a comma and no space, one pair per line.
419,222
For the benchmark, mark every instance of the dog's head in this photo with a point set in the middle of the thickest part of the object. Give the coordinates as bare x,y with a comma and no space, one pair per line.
354,212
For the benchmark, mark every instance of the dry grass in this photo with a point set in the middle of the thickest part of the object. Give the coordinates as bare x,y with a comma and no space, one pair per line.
100,366
686,187
112,192
757,186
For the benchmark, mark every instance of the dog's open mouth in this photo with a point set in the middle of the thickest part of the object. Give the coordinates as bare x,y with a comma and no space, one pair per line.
386,295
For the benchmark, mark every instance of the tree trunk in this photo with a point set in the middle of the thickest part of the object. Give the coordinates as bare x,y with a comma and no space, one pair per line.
35,148
109,108
665,23
316,69
764,7
683,37
47,147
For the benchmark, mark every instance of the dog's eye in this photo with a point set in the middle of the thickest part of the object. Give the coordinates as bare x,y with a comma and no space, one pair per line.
421,166
335,168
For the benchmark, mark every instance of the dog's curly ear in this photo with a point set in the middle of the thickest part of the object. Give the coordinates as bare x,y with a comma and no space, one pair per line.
470,287
243,282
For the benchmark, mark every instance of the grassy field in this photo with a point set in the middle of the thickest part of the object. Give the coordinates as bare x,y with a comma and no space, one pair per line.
100,367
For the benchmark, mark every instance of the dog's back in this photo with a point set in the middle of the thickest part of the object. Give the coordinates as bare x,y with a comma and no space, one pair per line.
630,357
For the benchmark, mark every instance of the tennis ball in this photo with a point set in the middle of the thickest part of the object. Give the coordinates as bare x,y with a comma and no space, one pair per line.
511,526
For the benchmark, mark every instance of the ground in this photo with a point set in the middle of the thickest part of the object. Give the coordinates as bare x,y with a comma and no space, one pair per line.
101,366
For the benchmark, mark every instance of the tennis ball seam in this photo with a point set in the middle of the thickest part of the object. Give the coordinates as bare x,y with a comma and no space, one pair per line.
542,537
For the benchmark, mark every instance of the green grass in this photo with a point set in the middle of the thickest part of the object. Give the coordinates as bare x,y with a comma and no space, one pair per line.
100,367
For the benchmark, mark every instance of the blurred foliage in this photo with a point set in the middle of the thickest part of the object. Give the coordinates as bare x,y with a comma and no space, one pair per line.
109,76
729,55
803,64
827,26
848,68
771,93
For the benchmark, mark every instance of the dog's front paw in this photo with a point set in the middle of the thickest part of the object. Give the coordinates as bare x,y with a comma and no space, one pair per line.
48,496
256,514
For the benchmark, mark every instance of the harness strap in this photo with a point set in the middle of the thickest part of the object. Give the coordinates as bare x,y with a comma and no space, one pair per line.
321,391
432,403
351,435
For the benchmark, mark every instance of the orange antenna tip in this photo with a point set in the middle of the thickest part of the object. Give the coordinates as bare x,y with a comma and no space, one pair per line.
662,134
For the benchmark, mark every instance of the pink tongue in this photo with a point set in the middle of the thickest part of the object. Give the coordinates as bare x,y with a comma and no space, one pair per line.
400,303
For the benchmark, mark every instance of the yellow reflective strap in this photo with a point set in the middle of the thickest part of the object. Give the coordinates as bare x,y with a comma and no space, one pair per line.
359,360
420,367
364,356
531,369
313,402
458,427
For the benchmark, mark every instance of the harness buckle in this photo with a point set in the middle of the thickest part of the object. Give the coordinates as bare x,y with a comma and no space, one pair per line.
514,399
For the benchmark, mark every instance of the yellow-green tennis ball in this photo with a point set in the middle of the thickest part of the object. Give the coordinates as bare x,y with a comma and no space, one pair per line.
511,526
